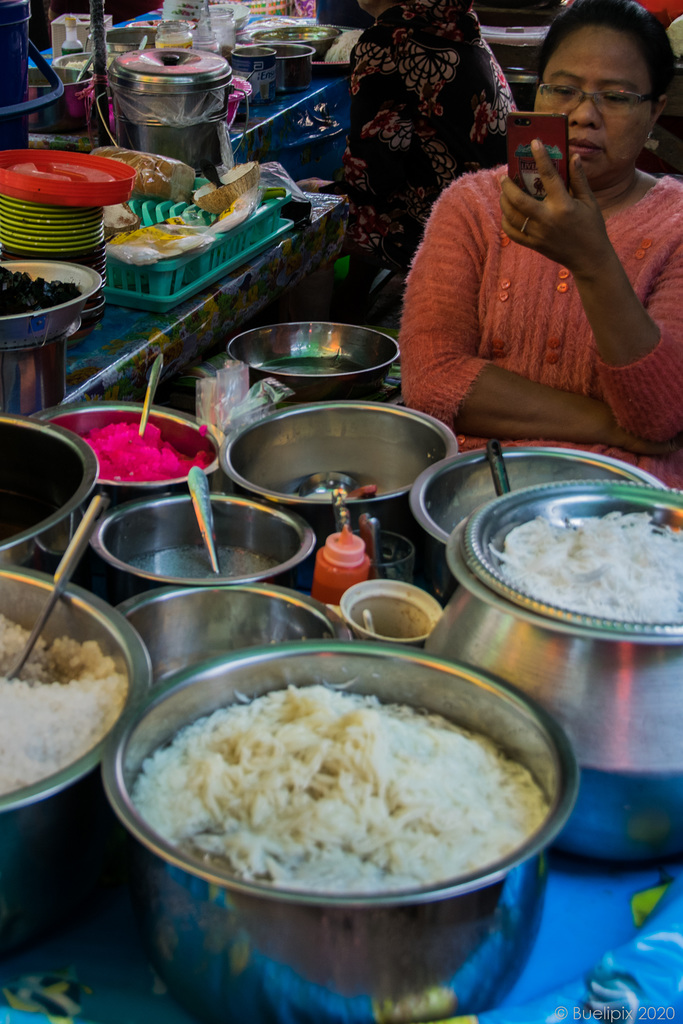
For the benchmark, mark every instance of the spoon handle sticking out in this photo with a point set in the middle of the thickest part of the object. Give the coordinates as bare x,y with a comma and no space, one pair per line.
494,454
201,502
63,573
154,374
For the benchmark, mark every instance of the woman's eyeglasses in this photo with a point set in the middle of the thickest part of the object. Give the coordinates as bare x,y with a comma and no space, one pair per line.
566,97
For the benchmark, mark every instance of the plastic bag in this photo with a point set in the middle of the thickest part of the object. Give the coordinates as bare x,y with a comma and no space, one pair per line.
158,242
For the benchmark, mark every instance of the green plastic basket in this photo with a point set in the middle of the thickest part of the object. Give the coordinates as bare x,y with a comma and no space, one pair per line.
160,286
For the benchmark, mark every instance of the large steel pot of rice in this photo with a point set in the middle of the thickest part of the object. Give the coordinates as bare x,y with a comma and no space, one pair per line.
614,686
53,833
445,493
46,476
247,950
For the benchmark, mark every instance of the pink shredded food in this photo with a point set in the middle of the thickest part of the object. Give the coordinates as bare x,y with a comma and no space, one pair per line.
124,455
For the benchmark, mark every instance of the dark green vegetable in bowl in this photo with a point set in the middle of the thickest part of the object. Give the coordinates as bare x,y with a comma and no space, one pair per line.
20,293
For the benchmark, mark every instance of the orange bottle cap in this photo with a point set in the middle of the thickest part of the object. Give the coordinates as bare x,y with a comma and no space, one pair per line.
345,549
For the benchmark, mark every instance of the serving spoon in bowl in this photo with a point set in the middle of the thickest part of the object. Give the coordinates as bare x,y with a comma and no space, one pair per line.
154,374
63,574
201,502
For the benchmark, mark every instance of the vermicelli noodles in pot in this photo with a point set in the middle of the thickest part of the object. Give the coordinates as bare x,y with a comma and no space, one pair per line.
313,788
620,566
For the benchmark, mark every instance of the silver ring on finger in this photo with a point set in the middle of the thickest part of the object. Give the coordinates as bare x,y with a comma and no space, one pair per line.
523,227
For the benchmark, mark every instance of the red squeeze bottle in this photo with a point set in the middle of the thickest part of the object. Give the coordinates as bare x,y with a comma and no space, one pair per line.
341,562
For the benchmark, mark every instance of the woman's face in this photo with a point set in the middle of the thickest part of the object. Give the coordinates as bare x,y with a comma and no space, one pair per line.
596,58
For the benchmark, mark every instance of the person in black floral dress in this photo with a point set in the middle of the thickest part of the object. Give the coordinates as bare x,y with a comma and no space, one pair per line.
428,103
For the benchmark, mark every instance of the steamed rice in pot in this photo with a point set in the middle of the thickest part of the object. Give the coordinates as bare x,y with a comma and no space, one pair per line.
316,789
620,566
67,699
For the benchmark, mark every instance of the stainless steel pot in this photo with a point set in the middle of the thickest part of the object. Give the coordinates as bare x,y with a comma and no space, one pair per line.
445,493
172,102
371,442
293,66
151,543
124,38
182,627
53,834
324,958
46,475
615,690
68,112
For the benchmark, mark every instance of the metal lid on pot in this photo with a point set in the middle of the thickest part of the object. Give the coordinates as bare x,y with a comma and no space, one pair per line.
169,70
562,504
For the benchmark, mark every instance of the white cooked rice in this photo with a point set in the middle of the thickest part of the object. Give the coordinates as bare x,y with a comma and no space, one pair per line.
340,51
619,566
68,698
315,789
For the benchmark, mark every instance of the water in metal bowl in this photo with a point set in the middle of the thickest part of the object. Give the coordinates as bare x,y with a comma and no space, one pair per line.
319,361
53,834
326,957
446,493
157,542
614,687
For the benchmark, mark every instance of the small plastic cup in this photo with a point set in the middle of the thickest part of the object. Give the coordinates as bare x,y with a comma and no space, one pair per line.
390,611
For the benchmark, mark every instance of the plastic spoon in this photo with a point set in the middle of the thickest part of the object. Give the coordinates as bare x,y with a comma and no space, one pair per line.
154,374
201,501
63,573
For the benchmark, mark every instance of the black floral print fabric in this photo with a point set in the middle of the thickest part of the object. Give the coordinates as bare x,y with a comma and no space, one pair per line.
428,103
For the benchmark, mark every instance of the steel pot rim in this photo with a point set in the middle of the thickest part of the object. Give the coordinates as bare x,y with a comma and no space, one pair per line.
90,471
113,775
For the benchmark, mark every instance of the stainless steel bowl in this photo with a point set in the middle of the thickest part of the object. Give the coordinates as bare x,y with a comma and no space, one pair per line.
24,330
326,958
319,361
182,627
447,492
68,112
129,37
53,834
152,542
371,442
179,429
615,691
46,475
320,37
293,66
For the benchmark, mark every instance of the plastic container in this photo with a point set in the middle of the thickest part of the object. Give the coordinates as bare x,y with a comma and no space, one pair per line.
161,286
15,49
72,43
339,564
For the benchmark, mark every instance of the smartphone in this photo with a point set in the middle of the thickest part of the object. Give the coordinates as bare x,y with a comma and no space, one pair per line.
524,126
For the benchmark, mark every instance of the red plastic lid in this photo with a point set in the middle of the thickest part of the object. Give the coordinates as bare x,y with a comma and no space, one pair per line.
64,179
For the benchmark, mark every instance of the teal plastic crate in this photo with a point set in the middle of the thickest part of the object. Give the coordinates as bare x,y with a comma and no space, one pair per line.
160,286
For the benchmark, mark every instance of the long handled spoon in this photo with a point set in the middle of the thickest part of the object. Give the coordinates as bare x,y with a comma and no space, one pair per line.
154,374
63,573
494,454
201,502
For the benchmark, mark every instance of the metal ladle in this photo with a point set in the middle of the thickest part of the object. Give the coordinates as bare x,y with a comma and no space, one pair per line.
63,573
201,502
154,374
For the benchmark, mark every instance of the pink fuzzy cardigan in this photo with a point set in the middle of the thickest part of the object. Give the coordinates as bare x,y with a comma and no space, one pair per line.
474,297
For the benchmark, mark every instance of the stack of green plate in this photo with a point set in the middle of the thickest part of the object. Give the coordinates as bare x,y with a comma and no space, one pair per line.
74,234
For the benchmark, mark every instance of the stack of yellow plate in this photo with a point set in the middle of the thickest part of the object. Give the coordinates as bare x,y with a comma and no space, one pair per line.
43,232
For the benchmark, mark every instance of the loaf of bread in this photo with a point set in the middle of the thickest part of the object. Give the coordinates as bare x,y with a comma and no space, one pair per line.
158,177
236,182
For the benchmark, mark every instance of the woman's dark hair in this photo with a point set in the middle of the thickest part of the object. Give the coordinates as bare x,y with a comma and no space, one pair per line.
624,16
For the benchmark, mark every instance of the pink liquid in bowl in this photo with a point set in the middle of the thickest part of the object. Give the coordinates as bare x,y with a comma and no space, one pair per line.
124,455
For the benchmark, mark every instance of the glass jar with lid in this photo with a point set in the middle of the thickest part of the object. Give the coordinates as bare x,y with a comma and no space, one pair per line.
174,34
223,27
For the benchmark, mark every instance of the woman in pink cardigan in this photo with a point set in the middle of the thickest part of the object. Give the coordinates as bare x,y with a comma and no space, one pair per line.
561,322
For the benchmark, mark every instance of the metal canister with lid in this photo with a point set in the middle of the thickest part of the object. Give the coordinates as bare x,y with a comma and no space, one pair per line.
173,102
